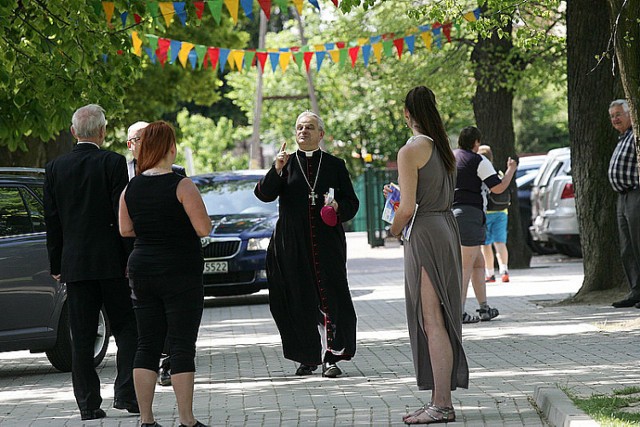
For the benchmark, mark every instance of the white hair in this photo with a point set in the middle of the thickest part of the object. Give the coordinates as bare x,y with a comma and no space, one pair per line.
135,128
312,114
620,103
88,121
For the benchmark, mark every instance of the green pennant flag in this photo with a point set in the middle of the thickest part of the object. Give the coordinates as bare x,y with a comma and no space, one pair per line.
215,6
458,29
304,48
299,58
97,7
282,4
152,9
387,46
201,52
248,58
344,52
153,42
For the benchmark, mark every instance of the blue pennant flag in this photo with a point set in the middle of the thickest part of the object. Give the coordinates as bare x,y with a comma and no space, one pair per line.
193,59
366,54
274,57
175,50
178,6
152,55
411,42
319,58
222,59
247,6
123,17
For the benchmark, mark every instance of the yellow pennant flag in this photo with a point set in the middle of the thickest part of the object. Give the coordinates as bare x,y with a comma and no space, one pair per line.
427,38
298,5
183,55
377,51
285,57
108,7
232,7
335,55
469,16
235,59
166,9
137,43
362,41
318,47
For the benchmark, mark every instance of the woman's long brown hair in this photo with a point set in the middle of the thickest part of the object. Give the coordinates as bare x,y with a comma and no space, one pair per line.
155,142
421,105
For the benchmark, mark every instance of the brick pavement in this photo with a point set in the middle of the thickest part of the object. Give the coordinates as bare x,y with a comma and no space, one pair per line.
242,379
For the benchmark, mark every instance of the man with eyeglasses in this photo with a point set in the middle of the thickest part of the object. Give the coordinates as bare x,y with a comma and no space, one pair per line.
623,176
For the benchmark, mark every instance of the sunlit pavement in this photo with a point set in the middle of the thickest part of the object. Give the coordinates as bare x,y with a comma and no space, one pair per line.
242,378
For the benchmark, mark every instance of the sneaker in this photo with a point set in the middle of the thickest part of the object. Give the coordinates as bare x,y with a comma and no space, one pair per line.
330,370
505,278
467,318
490,279
487,313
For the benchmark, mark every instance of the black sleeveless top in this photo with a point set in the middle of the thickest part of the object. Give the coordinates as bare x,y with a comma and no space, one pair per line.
166,243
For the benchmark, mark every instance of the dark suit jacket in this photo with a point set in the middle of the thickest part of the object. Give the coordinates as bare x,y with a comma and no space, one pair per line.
81,195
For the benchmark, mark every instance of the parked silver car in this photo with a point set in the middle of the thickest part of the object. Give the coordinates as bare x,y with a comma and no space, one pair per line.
553,206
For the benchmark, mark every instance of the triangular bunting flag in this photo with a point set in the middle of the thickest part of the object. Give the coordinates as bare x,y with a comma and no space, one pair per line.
163,49
152,56
247,7
183,54
152,8
178,6
285,57
335,2
232,7
399,43
213,53
282,4
307,59
469,16
137,18
298,5
262,59
193,59
153,41
315,4
386,47
166,9
476,12
274,57
137,43
175,50
343,57
446,29
335,55
266,7
329,46
428,39
353,53
201,51
215,7
411,43
123,18
366,54
108,7
377,51
319,58
249,55
298,57
199,5
222,59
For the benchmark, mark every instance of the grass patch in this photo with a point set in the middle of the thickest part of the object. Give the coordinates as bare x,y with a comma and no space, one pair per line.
620,409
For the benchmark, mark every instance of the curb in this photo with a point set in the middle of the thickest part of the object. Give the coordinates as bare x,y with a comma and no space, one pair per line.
560,410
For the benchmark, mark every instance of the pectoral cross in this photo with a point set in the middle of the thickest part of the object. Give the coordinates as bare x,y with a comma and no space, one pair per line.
313,196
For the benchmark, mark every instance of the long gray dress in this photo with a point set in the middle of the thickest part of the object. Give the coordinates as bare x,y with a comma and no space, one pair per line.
434,244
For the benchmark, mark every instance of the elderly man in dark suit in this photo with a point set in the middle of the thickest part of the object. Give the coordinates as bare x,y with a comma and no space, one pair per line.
133,144
81,194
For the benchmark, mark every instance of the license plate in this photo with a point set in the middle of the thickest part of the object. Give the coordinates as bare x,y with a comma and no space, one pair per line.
216,267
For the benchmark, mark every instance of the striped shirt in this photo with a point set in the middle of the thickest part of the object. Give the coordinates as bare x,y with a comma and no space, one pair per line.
623,167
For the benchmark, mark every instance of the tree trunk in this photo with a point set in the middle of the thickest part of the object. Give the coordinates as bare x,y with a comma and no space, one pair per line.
493,111
38,152
591,87
255,153
626,36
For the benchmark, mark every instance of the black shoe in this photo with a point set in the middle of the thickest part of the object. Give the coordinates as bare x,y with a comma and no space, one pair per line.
92,414
330,370
197,424
305,369
164,378
627,302
130,406
153,424
637,305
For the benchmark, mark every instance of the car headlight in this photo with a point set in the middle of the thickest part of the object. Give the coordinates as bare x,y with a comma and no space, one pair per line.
258,244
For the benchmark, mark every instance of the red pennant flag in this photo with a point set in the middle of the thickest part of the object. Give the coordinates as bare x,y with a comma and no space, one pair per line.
353,53
340,45
446,29
266,7
307,59
399,46
262,58
137,18
294,48
213,53
199,8
163,49
335,2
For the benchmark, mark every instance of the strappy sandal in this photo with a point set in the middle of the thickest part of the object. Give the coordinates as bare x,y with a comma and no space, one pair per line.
447,415
470,318
487,313
416,412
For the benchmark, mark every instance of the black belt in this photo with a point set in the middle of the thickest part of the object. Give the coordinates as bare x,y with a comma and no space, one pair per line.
628,190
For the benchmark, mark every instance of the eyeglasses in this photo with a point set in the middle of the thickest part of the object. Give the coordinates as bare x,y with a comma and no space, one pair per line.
135,139
617,115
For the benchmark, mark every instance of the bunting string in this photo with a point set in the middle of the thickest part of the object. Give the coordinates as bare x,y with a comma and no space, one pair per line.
162,50
170,10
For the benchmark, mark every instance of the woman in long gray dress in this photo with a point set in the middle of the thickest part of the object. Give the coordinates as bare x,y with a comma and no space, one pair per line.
432,259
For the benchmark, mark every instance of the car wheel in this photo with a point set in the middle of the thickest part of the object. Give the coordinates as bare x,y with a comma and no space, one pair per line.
60,354
542,248
573,251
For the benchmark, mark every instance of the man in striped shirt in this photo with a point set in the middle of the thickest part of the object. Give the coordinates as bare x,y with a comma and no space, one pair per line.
623,176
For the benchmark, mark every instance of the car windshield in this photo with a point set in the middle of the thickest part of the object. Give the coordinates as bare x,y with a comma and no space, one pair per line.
234,197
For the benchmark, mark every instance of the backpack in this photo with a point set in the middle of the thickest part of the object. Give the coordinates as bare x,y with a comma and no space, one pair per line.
499,202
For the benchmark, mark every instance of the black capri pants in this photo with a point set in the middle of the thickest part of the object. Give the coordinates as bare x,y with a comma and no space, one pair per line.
171,307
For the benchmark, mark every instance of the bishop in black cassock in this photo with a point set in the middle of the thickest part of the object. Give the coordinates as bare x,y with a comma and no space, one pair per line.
306,260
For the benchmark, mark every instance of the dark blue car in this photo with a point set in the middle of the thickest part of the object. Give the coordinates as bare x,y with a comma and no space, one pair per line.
235,251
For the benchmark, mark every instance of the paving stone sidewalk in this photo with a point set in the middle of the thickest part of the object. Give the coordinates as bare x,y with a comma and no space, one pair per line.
242,379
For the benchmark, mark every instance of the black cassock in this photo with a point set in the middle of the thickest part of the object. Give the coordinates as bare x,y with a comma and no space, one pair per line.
306,260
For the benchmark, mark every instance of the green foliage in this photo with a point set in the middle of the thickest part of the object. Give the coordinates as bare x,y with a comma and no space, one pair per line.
607,409
51,62
211,143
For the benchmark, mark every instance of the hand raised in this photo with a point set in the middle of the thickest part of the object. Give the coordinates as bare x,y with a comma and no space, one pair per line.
281,158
